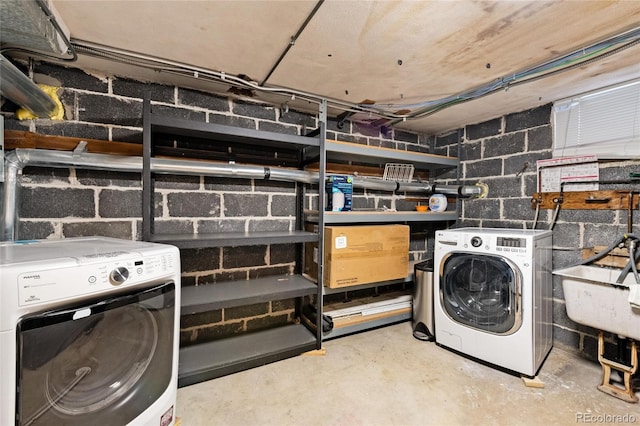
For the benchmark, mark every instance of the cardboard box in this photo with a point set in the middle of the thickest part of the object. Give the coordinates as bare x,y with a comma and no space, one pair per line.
339,191
357,255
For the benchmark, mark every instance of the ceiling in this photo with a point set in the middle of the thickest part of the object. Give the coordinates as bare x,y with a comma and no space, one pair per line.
389,55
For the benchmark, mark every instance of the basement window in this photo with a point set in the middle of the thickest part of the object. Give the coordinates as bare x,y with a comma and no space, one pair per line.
604,122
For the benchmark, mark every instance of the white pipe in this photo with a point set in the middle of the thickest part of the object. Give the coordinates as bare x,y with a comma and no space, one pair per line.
19,158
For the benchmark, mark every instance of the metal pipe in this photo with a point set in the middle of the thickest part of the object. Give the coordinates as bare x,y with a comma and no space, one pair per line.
10,196
19,158
16,86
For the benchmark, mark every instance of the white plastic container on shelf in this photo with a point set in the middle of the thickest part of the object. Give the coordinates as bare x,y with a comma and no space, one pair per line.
438,203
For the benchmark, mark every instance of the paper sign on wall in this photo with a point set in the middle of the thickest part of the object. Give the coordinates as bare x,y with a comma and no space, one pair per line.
553,173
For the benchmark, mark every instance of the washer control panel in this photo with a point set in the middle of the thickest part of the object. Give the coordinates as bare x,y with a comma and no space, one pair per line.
92,275
474,242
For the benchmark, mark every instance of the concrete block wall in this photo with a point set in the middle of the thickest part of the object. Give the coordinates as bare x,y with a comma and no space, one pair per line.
62,203
502,153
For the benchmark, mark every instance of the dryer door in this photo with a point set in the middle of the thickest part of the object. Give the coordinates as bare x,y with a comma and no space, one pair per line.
103,362
482,291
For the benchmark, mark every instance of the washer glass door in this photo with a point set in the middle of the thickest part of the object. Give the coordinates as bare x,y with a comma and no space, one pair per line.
103,362
482,291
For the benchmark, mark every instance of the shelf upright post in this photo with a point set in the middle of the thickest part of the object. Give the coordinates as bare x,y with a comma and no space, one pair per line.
322,125
147,181
458,176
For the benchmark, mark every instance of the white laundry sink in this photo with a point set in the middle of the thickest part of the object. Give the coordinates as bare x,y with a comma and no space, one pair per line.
594,299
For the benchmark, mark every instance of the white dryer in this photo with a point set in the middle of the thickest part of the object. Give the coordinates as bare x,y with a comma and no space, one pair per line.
89,332
493,295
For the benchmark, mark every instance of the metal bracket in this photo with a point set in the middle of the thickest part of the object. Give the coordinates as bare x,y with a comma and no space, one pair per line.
80,149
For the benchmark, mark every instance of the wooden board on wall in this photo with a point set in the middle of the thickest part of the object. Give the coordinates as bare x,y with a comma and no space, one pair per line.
617,258
21,139
587,200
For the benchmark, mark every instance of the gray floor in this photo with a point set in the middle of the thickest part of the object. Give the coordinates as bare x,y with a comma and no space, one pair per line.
386,377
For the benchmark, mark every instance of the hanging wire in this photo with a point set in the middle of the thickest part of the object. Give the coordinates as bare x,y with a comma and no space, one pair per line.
535,217
555,215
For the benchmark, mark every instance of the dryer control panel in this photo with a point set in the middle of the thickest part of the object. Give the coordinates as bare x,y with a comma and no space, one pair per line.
92,275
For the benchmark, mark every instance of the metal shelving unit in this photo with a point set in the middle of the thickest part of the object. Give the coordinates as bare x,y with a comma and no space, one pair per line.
204,361
209,360
363,154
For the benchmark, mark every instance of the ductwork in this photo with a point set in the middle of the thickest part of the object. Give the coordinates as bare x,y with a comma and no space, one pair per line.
34,27
18,159
17,87
31,27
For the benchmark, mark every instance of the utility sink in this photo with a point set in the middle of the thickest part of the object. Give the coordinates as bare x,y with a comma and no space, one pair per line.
594,299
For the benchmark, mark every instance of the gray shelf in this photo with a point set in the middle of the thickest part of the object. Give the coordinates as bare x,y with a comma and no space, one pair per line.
327,290
376,155
354,217
342,331
234,239
209,360
221,133
208,297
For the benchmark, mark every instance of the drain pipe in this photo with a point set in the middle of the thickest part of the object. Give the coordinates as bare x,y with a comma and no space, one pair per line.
20,158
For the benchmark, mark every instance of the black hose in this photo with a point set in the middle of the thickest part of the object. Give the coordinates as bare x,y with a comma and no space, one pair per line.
625,271
603,253
632,260
634,255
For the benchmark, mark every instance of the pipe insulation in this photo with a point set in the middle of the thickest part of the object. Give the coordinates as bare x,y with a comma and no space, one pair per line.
20,158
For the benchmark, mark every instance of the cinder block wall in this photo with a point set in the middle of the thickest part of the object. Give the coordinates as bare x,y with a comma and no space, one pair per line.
502,153
62,203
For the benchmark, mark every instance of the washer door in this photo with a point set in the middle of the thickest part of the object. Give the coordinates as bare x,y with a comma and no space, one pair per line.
482,291
104,362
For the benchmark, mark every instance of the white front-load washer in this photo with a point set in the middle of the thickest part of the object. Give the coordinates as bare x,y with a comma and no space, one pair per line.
89,332
493,295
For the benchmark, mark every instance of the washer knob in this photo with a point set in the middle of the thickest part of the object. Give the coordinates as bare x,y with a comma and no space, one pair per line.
476,241
119,275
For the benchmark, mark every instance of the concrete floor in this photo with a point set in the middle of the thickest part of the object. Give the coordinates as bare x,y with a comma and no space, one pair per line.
386,377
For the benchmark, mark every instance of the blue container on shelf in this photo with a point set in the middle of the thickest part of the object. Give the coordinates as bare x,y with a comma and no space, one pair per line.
339,189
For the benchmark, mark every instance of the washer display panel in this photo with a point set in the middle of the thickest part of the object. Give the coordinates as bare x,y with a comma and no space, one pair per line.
81,365
482,291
